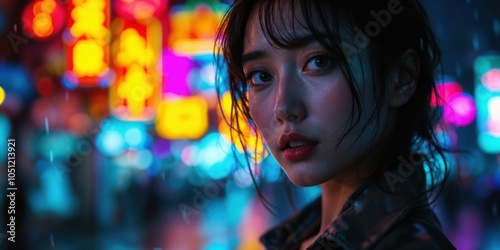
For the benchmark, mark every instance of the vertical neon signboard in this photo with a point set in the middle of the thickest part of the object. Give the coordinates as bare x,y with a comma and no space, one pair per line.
182,114
87,38
136,52
487,91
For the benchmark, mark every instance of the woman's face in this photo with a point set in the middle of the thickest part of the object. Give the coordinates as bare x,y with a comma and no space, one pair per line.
302,106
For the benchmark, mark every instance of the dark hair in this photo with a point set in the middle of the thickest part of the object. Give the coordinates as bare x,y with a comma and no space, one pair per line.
402,25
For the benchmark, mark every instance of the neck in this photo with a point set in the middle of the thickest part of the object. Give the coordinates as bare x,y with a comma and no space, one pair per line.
334,194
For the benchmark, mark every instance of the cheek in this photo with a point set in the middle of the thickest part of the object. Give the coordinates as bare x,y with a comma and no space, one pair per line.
261,114
333,106
253,106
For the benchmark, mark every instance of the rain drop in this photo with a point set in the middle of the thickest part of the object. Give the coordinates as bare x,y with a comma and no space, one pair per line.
495,209
357,206
66,96
496,26
476,15
475,42
51,156
459,70
52,244
46,125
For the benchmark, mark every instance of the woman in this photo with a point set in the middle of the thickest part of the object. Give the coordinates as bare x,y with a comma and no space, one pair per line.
339,92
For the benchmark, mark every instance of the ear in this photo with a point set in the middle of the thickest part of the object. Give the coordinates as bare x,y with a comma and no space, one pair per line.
404,78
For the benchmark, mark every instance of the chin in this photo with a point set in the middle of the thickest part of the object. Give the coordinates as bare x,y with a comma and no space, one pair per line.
302,179
303,183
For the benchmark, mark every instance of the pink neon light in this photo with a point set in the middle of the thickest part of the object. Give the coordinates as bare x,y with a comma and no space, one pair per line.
445,90
132,9
175,72
493,127
460,110
491,79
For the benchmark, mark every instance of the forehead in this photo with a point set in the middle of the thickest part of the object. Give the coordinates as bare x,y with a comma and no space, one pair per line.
277,21
284,23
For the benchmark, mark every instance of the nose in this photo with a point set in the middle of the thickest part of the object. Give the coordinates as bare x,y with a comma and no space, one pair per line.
290,100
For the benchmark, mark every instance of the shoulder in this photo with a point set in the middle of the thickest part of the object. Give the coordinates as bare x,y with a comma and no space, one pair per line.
415,234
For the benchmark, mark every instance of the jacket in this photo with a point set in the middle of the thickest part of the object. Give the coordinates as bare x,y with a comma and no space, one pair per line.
380,214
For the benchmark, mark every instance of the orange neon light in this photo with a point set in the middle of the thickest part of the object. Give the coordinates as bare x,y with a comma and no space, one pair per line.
42,19
193,31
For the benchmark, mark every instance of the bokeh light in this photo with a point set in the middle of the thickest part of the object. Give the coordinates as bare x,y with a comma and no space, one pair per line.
135,94
140,9
488,104
2,95
5,130
214,155
175,71
444,91
111,143
460,109
182,118
494,120
87,36
43,19
491,79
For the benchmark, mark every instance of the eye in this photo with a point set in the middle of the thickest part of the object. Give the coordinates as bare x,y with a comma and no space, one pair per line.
318,63
258,77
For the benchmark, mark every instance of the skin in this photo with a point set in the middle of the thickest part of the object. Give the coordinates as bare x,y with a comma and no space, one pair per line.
303,90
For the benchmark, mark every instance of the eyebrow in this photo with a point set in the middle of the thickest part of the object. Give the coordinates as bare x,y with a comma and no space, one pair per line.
296,43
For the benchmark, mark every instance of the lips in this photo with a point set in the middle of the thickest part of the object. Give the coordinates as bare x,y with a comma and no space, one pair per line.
294,140
296,147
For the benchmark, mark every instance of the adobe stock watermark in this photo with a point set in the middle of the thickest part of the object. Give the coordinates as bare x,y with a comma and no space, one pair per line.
201,199
362,38
405,169
17,38
84,147
74,158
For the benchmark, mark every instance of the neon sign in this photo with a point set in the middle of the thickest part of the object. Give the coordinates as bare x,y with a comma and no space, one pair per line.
182,118
136,61
193,31
87,38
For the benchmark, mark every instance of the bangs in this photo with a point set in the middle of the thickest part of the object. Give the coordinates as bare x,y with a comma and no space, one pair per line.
285,23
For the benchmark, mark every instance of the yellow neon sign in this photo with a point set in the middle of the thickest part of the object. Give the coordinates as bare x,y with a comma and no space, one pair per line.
89,19
182,118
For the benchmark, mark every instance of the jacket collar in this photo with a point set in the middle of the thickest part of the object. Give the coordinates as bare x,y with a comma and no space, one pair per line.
367,215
